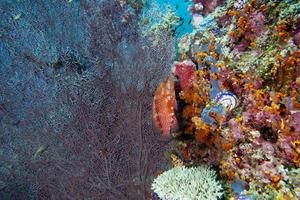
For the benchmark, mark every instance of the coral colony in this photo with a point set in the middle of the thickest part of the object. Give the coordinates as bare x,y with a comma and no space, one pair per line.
231,104
198,183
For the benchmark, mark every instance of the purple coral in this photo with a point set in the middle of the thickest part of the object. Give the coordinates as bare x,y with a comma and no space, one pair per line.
256,26
297,33
295,122
209,6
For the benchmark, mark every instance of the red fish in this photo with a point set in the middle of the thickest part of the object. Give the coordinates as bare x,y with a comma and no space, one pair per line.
184,70
164,104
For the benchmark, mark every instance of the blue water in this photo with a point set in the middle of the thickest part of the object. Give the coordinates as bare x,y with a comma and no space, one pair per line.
181,7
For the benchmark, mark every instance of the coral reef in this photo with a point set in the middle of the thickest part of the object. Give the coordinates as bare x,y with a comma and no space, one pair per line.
238,110
84,83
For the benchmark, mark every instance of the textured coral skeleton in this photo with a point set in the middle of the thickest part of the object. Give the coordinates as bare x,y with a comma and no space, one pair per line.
188,183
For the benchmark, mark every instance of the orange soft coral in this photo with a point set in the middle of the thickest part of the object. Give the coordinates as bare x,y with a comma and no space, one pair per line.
191,97
190,111
201,135
202,130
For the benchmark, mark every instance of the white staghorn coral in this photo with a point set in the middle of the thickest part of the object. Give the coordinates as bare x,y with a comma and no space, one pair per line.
182,183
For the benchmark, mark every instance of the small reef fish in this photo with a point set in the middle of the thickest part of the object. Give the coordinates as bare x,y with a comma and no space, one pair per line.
39,151
146,21
176,161
164,104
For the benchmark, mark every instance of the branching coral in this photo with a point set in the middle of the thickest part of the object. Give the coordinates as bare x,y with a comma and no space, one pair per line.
182,183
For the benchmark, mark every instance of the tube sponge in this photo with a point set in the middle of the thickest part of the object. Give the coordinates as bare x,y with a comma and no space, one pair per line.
182,183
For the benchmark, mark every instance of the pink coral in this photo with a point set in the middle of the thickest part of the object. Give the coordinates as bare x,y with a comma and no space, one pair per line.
236,129
209,6
297,33
184,71
295,122
253,26
297,38
256,25
290,149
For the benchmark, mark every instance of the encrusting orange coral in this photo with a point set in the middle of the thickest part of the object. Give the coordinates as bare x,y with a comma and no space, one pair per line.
189,111
191,97
232,13
263,8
